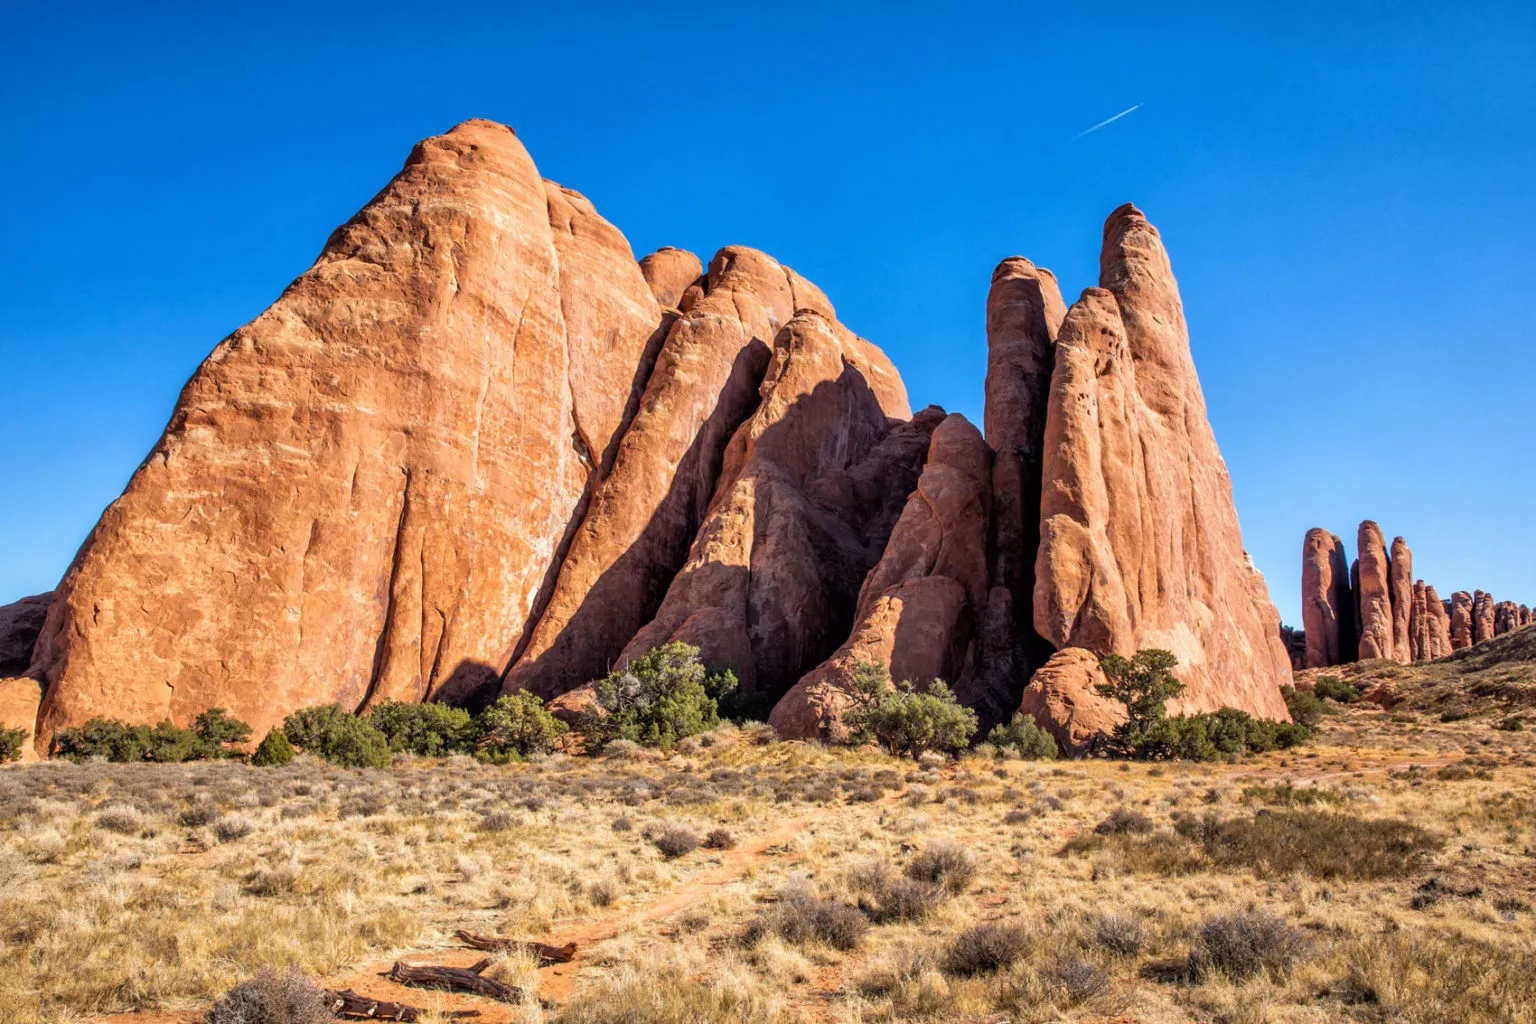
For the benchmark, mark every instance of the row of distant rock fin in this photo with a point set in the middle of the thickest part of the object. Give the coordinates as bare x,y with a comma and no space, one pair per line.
478,448
1374,608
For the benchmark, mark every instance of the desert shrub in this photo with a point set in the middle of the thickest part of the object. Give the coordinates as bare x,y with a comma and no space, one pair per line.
902,899
800,916
1512,724
1023,738
217,733
1076,977
1017,816
497,821
944,864
272,998
198,814
904,719
622,824
656,700
1334,688
602,892
429,729
231,827
11,742
120,818
1121,934
274,751
675,842
516,726
338,736
1123,821
719,839
986,948
1224,734
1322,844
1144,683
1245,944
1306,708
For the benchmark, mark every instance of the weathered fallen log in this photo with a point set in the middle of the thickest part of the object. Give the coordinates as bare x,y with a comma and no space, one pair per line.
349,1005
459,979
544,952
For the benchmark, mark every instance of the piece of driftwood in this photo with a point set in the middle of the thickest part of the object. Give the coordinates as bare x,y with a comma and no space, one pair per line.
459,979
349,1005
544,952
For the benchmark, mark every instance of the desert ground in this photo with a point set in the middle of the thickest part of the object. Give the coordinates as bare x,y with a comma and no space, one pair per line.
1385,871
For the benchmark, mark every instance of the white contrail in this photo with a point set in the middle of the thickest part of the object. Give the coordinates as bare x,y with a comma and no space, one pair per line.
1111,120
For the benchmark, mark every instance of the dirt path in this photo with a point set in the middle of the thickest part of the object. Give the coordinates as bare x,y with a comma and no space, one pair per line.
557,982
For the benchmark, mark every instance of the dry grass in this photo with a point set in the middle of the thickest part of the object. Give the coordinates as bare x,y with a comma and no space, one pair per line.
979,890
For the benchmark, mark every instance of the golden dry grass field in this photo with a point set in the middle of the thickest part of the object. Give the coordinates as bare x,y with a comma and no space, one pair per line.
1384,872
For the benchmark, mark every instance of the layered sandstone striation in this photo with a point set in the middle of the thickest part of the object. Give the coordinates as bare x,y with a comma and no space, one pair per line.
479,448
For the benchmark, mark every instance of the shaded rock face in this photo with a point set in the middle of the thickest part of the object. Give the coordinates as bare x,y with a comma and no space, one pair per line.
811,487
20,624
919,606
1461,620
635,536
1374,594
1327,606
1139,543
1024,315
1295,643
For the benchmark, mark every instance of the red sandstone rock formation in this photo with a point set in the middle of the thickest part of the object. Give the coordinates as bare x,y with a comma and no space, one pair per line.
1506,616
359,493
811,487
1461,620
20,624
670,272
1327,607
1482,616
1418,623
1063,699
1024,314
636,534
1140,544
19,700
1400,583
919,606
478,444
1373,594
1438,630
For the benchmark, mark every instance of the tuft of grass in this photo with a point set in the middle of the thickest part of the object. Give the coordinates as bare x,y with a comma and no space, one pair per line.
1121,934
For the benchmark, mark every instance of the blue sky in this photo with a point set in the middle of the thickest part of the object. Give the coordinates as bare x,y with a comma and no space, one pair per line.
1346,191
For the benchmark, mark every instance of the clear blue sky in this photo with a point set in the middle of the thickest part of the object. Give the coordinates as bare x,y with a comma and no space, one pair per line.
1346,190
